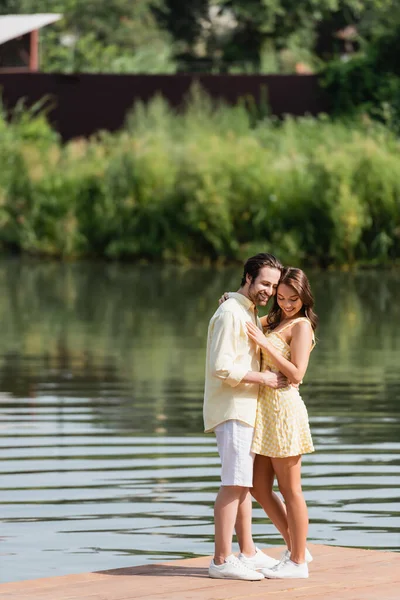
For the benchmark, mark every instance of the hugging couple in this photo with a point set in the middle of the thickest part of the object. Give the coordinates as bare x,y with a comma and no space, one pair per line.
252,402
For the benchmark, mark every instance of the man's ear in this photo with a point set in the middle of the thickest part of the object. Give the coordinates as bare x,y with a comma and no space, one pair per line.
249,278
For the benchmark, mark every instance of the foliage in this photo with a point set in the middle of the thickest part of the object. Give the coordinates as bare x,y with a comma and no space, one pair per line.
205,184
158,36
114,36
289,23
369,82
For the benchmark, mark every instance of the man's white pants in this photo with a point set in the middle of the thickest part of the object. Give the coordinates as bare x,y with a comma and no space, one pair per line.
234,440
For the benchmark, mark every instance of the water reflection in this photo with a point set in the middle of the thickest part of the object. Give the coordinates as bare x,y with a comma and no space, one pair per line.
101,378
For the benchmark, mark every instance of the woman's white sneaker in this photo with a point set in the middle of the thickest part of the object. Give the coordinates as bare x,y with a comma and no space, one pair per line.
259,560
287,569
233,568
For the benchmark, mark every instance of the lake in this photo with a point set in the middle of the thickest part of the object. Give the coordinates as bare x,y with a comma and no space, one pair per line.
104,463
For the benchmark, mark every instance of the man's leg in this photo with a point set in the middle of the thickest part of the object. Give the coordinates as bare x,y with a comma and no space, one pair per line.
249,554
225,515
243,524
234,447
234,441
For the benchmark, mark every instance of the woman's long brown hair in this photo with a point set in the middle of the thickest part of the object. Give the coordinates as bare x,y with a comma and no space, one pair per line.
296,279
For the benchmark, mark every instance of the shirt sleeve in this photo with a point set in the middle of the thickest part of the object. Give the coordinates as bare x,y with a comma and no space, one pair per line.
224,356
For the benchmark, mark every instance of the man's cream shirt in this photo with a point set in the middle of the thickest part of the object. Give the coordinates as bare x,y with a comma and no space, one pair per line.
230,355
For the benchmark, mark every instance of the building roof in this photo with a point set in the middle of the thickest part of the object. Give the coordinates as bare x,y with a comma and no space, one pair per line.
13,26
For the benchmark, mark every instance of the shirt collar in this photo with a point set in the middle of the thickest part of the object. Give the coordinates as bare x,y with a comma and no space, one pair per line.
246,302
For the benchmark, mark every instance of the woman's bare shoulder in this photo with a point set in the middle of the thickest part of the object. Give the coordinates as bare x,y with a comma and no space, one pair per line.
301,328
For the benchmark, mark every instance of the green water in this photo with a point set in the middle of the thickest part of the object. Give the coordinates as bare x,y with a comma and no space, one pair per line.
103,459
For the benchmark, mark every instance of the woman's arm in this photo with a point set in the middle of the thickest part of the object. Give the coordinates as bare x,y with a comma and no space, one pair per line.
224,352
300,348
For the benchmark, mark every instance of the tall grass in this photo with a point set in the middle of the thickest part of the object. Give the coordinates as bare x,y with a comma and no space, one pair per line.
207,184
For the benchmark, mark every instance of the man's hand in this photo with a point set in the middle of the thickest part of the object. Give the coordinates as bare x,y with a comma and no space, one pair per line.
274,380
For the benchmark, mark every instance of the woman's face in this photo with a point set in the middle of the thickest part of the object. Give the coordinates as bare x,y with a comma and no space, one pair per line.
288,301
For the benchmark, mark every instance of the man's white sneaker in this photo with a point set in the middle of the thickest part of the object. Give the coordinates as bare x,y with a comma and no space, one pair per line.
287,570
233,568
308,555
259,560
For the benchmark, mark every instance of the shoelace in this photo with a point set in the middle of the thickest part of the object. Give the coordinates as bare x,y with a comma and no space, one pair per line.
280,564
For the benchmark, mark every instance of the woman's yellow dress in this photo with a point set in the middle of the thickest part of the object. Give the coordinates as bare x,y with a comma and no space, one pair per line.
282,427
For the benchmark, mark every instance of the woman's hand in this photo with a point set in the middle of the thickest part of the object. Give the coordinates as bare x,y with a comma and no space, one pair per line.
256,335
225,296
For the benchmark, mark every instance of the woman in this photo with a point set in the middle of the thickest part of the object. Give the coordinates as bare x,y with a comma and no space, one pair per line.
282,432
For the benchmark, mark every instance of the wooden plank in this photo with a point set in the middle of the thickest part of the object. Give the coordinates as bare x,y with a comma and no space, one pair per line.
335,574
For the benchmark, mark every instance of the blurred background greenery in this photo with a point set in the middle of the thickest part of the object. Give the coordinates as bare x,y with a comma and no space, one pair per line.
352,44
250,36
212,183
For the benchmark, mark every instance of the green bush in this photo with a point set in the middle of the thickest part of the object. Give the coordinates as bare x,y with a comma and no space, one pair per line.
207,184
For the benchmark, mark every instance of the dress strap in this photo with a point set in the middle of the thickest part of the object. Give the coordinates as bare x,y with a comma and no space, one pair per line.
298,321
293,322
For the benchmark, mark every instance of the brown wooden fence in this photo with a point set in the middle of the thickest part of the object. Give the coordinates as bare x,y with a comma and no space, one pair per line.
85,103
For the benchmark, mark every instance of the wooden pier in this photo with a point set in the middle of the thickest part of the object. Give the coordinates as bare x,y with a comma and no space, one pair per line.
335,574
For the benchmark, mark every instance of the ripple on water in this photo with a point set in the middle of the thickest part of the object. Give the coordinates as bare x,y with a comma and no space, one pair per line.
103,461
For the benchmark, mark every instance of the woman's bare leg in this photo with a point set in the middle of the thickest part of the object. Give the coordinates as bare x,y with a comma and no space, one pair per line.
263,481
243,524
288,473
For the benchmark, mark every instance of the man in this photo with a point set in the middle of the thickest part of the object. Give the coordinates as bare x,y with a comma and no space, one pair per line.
230,402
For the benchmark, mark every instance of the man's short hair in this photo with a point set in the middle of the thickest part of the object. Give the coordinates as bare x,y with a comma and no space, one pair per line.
255,263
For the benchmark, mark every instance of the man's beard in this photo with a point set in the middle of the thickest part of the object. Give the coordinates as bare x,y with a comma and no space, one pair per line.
259,298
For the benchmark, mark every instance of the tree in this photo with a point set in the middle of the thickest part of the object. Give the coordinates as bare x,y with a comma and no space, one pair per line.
207,35
117,35
263,22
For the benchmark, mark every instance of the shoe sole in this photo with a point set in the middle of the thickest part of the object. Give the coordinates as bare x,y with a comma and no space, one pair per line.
212,576
288,577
